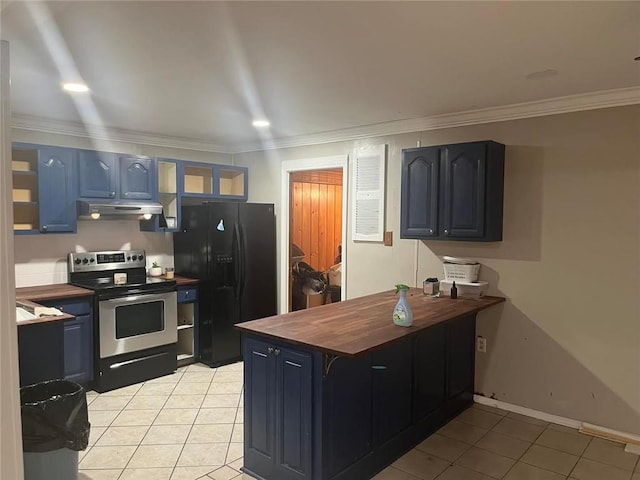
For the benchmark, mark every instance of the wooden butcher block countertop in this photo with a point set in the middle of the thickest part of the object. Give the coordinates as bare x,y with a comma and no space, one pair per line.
51,292
357,326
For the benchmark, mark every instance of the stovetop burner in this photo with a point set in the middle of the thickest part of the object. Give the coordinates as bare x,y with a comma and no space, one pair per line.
95,271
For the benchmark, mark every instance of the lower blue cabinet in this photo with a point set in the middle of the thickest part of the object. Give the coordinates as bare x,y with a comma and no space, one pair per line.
78,349
77,338
278,383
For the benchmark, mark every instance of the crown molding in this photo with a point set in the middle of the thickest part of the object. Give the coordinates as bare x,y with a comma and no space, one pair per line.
552,106
48,125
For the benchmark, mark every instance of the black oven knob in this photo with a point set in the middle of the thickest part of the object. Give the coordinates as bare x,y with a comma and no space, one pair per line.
129,258
77,261
85,261
140,257
92,260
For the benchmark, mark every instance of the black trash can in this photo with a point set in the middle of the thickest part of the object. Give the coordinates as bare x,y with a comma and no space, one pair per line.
55,427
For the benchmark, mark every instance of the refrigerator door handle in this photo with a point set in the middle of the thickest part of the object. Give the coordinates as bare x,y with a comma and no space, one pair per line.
237,261
243,263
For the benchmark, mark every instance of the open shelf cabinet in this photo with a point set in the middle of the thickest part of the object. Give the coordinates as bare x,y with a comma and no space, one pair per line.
24,166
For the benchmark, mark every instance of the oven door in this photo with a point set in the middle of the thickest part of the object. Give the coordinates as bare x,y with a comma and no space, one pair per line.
137,322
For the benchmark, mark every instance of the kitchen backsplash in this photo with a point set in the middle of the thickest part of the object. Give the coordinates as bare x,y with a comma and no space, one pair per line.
42,259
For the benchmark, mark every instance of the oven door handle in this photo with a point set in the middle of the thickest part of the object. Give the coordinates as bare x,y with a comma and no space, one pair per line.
149,297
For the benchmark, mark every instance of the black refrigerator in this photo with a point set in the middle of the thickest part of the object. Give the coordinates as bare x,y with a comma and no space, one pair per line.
231,249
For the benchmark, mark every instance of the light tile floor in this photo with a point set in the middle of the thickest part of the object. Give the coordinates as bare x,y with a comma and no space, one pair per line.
189,426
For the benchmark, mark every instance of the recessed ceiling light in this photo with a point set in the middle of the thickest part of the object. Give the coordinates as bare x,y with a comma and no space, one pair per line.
542,74
261,123
637,59
75,87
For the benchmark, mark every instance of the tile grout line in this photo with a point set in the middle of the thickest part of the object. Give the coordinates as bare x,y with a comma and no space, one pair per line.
194,419
148,427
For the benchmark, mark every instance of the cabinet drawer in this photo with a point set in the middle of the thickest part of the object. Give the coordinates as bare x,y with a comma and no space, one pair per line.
187,294
76,308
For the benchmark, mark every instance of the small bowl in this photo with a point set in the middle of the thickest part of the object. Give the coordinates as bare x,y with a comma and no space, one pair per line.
155,271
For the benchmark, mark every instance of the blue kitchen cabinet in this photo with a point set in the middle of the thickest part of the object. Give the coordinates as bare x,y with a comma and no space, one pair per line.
40,352
460,359
166,191
56,190
207,180
278,390
109,176
78,349
230,182
419,202
347,430
453,192
97,174
137,177
78,345
391,393
429,386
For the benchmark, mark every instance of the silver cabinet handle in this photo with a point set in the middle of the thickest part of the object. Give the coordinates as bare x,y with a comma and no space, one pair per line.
270,349
446,232
276,351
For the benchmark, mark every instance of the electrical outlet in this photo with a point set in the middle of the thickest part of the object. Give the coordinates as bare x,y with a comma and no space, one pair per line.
482,344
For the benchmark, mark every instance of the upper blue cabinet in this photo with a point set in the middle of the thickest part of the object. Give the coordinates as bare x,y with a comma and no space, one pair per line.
115,177
214,181
453,192
97,174
44,189
137,177
56,186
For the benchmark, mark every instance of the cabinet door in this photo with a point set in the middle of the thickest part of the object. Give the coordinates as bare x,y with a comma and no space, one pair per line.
419,204
429,371
137,177
293,415
56,187
260,407
463,190
346,412
461,356
97,174
78,349
40,351
391,391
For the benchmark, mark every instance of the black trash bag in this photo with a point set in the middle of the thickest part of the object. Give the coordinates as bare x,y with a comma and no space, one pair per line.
54,416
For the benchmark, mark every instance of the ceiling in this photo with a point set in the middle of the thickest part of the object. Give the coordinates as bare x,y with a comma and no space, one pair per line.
204,70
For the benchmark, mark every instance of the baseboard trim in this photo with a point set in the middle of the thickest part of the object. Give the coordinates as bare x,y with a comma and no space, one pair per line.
632,441
547,417
610,434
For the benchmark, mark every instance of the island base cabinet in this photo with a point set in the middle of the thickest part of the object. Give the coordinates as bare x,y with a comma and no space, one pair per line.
278,411
317,416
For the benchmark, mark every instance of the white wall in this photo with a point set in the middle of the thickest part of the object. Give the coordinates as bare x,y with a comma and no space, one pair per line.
567,341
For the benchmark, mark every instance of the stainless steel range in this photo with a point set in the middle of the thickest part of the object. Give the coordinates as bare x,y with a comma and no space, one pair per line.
135,317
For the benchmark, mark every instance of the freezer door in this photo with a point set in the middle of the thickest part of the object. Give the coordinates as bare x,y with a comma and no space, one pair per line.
191,245
258,297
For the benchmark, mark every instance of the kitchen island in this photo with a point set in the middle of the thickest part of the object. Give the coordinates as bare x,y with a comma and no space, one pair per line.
339,391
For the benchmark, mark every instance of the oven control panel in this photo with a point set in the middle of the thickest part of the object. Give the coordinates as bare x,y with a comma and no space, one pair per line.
111,260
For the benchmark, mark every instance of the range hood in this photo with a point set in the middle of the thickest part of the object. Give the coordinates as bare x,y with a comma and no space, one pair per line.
96,210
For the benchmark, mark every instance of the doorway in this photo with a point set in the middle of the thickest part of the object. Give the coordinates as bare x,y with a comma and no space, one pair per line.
313,232
315,237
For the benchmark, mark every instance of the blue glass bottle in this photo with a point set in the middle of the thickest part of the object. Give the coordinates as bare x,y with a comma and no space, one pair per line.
402,314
